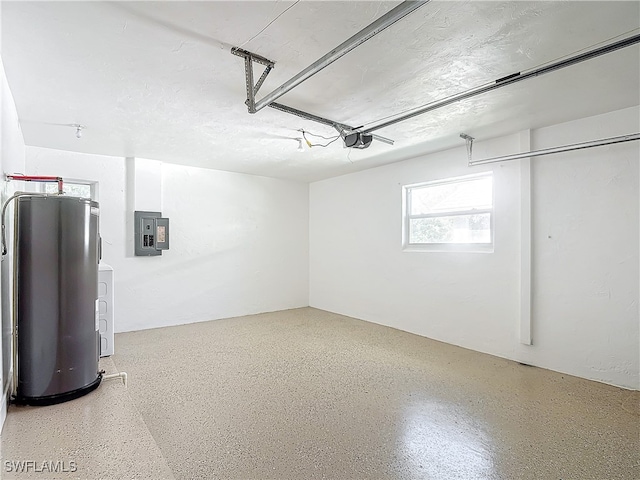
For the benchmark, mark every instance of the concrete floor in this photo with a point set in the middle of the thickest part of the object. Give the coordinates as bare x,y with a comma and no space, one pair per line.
309,394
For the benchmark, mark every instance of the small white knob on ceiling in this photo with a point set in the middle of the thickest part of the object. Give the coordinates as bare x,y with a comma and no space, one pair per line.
79,129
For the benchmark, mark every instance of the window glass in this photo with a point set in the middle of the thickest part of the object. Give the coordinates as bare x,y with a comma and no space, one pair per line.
451,197
452,211
72,189
453,229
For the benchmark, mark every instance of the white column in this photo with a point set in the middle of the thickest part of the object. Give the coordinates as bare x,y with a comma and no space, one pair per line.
525,240
143,192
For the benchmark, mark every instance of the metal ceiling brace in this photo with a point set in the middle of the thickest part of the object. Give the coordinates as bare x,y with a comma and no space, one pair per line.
252,90
376,27
549,151
249,58
508,80
342,128
386,20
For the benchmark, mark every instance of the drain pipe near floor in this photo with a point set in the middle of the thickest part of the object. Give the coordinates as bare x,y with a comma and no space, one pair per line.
122,375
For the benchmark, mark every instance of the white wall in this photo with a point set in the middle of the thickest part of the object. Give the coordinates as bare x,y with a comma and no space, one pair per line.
585,251
12,159
239,243
585,254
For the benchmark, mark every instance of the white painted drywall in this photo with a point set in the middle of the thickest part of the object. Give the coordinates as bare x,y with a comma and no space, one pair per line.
585,277
239,243
147,184
585,251
12,159
143,191
358,268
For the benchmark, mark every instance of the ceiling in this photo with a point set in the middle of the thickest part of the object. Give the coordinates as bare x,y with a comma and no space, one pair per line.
157,79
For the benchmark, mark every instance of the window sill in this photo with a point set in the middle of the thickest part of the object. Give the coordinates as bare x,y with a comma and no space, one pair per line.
450,248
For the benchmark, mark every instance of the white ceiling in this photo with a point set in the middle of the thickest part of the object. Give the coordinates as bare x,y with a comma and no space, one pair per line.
157,79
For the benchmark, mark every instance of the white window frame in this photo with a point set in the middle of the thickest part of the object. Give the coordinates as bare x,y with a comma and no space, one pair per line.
445,247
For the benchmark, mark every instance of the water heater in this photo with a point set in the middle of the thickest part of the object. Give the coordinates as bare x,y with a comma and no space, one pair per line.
57,255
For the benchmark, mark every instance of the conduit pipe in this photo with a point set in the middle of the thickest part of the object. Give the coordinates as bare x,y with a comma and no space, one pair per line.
3,214
39,178
386,20
564,148
508,80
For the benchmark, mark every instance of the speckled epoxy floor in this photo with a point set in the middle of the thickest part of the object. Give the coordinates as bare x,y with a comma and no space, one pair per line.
98,436
309,394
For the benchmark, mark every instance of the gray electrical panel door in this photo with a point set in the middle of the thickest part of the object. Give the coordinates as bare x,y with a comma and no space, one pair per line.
151,233
57,265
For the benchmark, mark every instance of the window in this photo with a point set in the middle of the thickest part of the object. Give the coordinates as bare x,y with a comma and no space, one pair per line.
75,188
452,214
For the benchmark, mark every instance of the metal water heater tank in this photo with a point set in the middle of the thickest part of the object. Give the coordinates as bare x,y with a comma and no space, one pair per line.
57,255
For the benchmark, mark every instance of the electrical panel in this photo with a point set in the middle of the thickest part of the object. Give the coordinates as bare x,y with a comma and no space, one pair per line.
151,233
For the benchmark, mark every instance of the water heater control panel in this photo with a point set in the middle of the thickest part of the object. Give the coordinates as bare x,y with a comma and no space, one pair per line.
151,233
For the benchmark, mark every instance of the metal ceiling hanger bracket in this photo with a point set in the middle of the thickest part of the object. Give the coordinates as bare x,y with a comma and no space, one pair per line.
469,141
564,148
252,89
368,32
